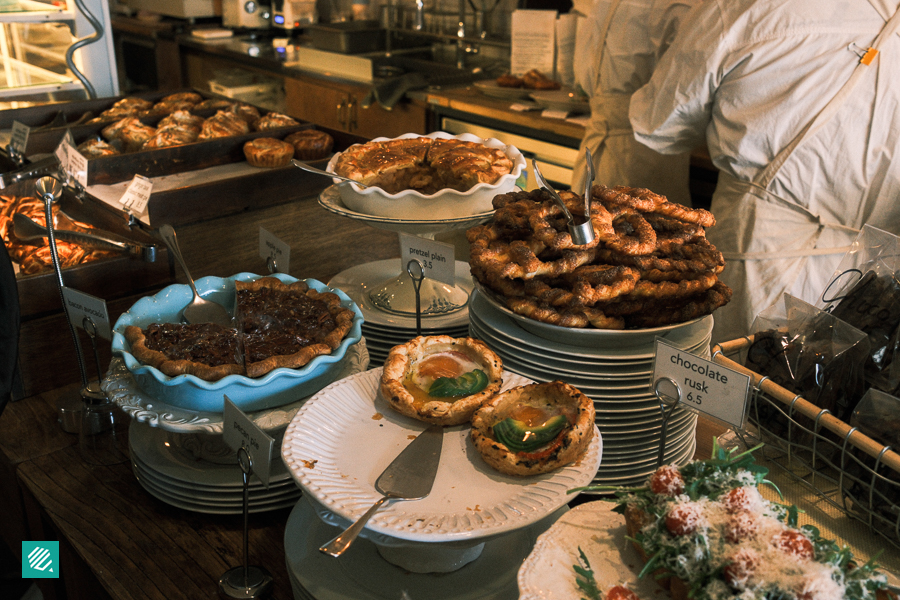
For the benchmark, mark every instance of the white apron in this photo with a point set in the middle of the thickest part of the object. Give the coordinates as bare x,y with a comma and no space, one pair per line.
773,246
618,158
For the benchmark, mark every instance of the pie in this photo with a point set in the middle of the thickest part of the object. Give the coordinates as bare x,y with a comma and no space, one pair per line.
440,379
423,164
276,325
534,429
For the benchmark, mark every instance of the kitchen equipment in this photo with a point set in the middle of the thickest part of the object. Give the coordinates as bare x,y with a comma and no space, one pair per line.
347,37
246,14
199,310
291,14
185,9
25,229
410,476
309,169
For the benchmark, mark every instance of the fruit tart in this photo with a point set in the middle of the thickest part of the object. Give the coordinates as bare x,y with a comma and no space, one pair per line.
440,379
534,428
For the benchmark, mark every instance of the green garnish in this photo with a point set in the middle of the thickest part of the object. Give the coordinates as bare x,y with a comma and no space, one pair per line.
456,387
518,437
584,577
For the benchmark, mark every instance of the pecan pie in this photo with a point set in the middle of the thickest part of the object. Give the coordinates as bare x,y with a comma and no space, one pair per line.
423,164
276,325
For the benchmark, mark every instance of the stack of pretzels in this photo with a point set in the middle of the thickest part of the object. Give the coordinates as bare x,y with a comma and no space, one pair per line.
649,264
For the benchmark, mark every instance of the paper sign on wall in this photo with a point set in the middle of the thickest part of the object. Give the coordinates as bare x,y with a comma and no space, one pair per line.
238,431
82,307
438,260
533,41
706,387
271,247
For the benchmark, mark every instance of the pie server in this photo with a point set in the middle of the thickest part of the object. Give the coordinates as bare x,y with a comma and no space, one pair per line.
25,229
410,476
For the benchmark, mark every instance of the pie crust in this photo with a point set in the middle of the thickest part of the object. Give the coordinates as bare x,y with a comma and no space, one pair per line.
402,361
556,395
423,164
276,325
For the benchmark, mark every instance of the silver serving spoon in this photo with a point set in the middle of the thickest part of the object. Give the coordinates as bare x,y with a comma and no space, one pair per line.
581,232
305,167
199,310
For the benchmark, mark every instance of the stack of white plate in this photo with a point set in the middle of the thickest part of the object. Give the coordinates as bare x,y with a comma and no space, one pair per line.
177,476
613,368
383,330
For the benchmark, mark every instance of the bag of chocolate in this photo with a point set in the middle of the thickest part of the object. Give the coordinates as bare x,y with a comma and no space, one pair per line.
865,292
808,352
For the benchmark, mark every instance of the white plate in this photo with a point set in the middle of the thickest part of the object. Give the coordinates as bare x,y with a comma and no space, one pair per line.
150,445
362,574
490,87
120,386
358,281
344,437
330,200
599,532
566,100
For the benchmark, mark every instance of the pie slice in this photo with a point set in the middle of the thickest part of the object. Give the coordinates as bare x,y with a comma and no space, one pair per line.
277,325
287,325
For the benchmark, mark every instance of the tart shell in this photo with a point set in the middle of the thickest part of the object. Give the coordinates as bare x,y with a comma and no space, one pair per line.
574,443
402,358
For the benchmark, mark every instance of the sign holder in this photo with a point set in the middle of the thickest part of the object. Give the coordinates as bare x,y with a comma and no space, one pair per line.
246,581
417,274
664,402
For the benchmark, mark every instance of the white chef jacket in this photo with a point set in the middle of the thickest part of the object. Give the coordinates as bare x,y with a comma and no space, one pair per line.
746,77
611,61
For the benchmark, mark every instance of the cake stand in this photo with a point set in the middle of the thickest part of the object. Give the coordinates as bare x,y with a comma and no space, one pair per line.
397,294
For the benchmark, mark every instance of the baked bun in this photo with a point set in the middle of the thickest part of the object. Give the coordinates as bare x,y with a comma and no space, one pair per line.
223,124
534,428
247,112
274,120
268,152
173,135
135,134
181,118
440,379
94,148
214,104
189,97
310,144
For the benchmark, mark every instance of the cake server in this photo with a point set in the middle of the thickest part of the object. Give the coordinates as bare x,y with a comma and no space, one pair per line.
410,476
305,167
200,310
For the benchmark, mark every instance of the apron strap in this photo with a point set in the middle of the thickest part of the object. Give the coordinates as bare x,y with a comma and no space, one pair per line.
768,174
604,31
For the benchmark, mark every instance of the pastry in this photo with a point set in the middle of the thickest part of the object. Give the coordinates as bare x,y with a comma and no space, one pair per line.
214,104
277,325
95,148
268,152
310,144
423,164
274,120
247,112
534,429
134,134
440,379
189,97
173,135
223,124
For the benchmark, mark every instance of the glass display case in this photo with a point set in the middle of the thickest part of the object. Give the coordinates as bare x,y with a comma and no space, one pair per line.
34,40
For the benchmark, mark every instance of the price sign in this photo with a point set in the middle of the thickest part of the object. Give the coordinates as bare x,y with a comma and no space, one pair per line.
136,195
81,307
19,137
71,160
240,432
271,247
438,260
705,386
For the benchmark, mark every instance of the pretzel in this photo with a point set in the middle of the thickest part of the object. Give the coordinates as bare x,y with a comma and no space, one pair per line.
645,201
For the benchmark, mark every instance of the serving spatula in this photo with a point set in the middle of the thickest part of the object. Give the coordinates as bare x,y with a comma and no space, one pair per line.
200,310
410,476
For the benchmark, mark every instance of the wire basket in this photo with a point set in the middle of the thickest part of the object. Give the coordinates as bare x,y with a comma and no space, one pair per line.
845,467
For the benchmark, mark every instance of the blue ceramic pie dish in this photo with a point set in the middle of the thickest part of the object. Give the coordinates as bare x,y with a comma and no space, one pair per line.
276,388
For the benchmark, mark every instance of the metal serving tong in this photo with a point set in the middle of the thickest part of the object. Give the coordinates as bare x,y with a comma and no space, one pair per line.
580,228
25,229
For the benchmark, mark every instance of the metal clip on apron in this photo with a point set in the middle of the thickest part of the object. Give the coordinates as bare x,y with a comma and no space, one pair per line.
754,200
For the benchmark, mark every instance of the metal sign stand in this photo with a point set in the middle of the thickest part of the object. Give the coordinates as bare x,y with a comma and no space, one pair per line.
245,581
667,405
271,265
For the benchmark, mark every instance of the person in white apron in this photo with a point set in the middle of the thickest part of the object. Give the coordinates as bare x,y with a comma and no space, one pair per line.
618,44
797,101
